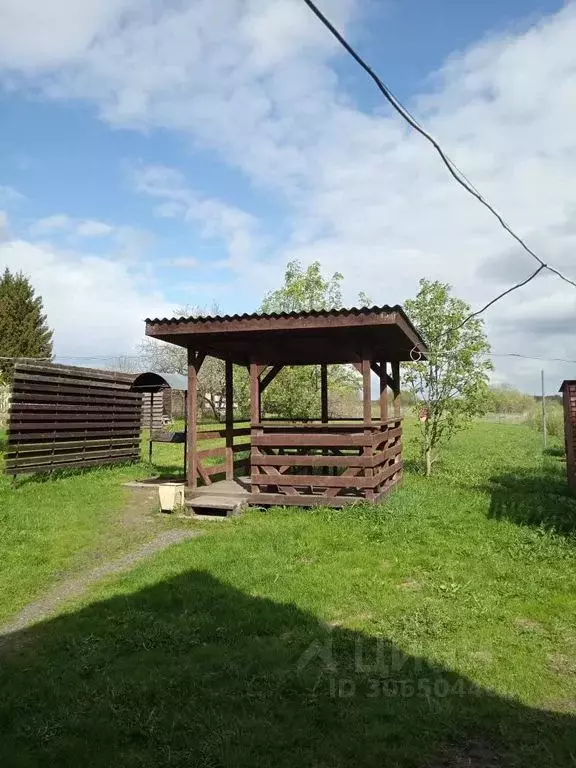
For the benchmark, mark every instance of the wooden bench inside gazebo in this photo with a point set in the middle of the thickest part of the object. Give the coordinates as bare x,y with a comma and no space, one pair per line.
323,461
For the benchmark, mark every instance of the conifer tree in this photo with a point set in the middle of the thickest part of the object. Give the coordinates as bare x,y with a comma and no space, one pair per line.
24,330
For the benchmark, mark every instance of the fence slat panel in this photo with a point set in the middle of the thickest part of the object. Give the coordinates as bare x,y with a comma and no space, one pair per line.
65,417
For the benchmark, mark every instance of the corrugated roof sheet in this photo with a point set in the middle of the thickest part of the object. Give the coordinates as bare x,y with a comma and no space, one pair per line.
278,315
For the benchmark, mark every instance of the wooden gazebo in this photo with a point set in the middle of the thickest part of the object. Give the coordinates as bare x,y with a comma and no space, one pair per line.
302,463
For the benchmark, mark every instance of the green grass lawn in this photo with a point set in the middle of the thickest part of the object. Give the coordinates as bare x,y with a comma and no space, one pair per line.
436,629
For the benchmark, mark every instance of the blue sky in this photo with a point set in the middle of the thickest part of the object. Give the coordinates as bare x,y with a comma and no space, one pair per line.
181,153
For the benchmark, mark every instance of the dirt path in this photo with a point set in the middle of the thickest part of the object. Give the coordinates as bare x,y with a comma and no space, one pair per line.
135,521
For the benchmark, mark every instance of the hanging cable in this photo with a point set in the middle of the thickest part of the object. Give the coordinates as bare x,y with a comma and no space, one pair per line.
453,169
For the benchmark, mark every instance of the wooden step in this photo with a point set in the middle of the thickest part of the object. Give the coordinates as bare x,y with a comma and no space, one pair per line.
214,506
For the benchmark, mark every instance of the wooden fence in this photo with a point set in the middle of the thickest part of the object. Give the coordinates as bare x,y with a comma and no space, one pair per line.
65,417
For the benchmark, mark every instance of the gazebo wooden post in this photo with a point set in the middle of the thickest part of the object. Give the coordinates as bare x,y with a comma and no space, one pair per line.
324,392
255,414
396,386
383,391
229,372
368,450
195,360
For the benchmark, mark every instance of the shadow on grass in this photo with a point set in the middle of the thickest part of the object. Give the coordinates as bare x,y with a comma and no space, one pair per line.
60,474
192,672
556,451
532,497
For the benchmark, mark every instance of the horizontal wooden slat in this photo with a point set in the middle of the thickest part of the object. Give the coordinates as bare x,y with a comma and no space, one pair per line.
318,426
53,459
44,447
310,441
79,392
74,371
98,434
382,456
102,414
101,384
387,472
81,407
108,424
301,500
73,465
295,460
126,399
221,451
320,481
213,434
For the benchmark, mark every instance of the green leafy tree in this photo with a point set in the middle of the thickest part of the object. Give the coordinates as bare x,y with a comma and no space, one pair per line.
504,399
451,387
295,393
24,331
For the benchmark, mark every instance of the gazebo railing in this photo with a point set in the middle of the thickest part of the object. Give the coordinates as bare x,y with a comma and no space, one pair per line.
310,463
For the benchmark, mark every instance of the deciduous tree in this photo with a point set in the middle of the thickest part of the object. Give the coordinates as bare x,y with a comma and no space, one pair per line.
451,386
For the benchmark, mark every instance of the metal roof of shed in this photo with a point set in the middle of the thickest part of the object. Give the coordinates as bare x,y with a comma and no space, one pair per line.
150,381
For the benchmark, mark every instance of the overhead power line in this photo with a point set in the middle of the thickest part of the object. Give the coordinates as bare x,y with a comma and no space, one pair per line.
453,169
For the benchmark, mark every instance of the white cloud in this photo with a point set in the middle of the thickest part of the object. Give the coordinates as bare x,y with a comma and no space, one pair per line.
50,224
74,227
96,305
4,227
254,81
214,218
91,228
9,196
183,262
35,35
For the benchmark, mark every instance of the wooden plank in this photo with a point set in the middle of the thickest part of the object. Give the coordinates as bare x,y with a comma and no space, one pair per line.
351,472
213,434
296,460
270,376
75,371
387,454
212,453
67,417
324,393
302,426
27,379
383,392
254,394
73,465
55,426
301,500
321,481
366,391
192,422
274,472
396,386
229,374
58,458
75,393
45,446
46,401
387,472
309,441
17,437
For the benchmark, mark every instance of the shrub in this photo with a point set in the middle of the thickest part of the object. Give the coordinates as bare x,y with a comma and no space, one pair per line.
554,419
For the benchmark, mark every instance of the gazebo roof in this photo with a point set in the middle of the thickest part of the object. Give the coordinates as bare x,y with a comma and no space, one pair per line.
297,338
